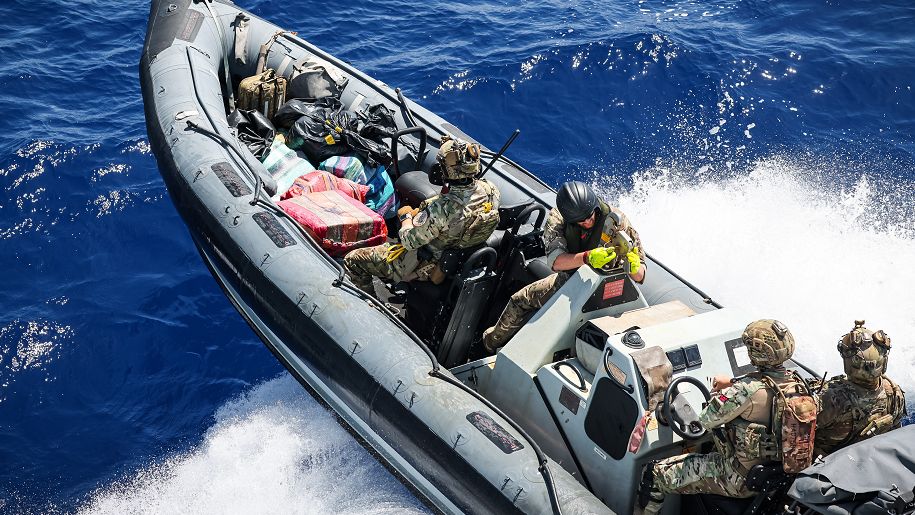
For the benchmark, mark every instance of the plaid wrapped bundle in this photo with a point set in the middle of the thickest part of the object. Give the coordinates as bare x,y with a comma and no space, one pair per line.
285,165
380,197
323,181
348,167
339,223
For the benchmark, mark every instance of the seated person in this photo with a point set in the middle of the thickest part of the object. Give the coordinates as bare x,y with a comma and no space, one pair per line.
741,417
464,215
863,402
575,234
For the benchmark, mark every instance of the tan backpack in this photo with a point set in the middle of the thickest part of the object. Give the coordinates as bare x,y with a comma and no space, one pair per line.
794,417
264,92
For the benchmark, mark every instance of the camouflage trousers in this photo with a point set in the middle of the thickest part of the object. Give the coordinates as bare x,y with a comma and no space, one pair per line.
694,473
362,264
525,301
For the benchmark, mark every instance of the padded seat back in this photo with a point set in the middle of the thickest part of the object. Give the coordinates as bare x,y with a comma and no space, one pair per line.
414,187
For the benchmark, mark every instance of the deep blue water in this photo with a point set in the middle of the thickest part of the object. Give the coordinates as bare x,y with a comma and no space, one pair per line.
763,149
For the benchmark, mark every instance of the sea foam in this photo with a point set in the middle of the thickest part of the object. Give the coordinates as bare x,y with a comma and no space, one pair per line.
814,245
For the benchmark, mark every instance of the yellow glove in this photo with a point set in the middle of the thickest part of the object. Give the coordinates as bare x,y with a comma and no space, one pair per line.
394,252
635,262
600,256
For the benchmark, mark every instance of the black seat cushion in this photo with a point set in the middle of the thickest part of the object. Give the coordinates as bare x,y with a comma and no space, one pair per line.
414,187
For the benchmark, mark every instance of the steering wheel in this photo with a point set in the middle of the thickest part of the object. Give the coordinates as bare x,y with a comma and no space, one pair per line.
678,413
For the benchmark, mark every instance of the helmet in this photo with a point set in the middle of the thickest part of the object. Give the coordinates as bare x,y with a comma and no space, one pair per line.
864,354
458,159
576,201
769,342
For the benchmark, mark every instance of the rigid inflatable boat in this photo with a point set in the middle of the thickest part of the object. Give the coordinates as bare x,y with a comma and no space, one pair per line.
545,425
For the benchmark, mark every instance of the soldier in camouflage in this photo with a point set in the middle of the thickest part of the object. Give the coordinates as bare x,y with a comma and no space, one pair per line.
863,402
464,215
580,230
740,418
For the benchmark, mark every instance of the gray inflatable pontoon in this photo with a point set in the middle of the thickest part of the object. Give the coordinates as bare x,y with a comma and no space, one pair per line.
541,427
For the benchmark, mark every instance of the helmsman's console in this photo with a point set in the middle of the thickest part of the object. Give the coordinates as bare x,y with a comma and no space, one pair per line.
570,378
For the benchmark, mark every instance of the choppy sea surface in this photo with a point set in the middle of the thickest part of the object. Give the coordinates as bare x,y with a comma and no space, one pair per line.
764,150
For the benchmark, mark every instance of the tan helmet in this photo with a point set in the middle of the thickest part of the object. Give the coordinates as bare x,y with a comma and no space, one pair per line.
769,342
865,354
458,159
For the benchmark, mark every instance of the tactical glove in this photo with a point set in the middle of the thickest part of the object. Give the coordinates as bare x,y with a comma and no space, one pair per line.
600,256
635,262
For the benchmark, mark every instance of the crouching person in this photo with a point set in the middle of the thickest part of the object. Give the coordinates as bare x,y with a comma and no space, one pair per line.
464,215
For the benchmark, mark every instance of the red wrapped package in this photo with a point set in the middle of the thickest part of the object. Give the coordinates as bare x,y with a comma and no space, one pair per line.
320,180
337,221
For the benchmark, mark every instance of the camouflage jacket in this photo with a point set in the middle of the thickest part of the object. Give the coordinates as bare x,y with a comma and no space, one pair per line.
555,241
463,217
740,417
850,413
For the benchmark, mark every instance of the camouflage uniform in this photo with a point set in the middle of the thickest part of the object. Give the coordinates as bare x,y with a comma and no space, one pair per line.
532,297
463,217
851,413
745,411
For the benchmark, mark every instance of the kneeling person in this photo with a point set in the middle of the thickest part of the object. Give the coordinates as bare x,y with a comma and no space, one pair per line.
464,215
575,234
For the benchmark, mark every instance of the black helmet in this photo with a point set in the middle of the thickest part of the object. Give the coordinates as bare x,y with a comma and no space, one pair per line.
576,201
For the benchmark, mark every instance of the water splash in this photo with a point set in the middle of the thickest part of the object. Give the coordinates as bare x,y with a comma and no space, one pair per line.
815,245
272,450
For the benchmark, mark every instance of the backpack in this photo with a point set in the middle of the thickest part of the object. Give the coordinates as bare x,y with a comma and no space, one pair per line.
794,421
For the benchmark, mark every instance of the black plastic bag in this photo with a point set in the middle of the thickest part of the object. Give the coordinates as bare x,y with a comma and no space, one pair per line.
379,122
320,132
294,109
323,129
254,131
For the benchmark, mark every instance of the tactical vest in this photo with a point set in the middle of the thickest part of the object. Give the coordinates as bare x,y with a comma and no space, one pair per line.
483,213
878,420
472,222
573,232
748,441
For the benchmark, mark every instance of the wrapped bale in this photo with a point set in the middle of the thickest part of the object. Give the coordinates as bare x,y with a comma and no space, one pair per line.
339,223
323,181
380,197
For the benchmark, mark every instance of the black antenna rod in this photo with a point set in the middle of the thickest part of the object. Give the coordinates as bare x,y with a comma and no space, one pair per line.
404,110
495,158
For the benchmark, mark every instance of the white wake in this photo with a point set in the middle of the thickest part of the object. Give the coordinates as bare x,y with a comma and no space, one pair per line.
787,240
273,450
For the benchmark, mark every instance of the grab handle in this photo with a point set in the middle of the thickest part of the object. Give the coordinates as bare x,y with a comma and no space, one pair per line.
524,215
395,166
